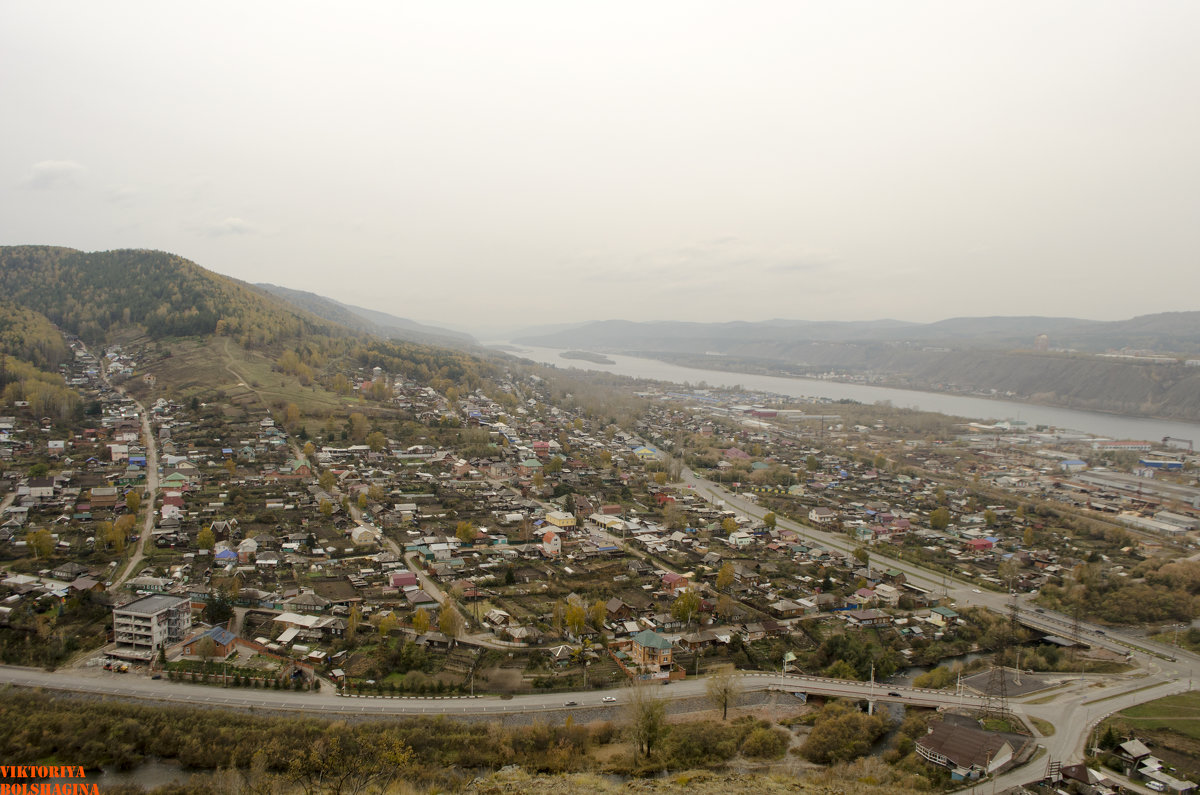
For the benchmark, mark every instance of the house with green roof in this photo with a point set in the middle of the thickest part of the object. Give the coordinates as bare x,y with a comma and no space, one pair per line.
651,650
942,616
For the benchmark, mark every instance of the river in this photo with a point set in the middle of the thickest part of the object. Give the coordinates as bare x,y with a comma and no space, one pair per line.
1115,426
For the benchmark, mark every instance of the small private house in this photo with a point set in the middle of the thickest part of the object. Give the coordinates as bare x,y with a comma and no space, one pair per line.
942,616
969,753
561,519
225,643
651,650
551,544
822,516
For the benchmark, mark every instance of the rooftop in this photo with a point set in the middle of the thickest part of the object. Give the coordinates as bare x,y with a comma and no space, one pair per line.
151,605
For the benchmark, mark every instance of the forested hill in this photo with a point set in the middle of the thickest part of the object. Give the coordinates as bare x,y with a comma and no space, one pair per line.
91,294
367,320
31,349
97,295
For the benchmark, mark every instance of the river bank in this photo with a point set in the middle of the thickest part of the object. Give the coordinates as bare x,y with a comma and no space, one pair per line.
1113,426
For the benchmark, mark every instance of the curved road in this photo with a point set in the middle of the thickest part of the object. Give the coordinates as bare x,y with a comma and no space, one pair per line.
1074,711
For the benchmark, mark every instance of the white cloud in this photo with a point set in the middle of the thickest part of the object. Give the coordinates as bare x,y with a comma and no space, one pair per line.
53,175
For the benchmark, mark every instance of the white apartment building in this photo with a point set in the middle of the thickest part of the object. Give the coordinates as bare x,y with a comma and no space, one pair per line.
142,627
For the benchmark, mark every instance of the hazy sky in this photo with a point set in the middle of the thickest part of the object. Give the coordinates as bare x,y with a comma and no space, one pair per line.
502,163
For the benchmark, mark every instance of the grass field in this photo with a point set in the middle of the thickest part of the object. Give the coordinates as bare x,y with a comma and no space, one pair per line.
1171,726
1179,713
245,378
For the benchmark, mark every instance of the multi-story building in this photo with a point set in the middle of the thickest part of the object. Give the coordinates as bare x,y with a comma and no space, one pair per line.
142,627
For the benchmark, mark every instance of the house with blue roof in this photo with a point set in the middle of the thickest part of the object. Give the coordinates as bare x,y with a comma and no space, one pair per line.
225,643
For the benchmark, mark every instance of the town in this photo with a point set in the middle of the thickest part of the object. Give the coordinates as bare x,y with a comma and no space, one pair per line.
515,542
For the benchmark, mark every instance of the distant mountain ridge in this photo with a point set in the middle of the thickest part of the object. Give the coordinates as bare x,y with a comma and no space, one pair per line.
368,320
1177,332
988,356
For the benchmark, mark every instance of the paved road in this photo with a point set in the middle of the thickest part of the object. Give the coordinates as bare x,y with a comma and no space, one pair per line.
1073,712
139,686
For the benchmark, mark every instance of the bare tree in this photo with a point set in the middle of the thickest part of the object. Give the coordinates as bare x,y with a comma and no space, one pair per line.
647,716
723,688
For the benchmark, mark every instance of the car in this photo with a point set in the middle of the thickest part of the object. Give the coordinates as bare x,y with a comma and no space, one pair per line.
1100,632
976,590
609,699
1038,610
894,694
157,676
1157,786
570,703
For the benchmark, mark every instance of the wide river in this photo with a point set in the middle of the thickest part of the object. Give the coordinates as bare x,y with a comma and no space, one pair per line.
1114,426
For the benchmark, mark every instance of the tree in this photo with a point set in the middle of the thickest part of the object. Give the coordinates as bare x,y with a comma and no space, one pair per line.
133,501
41,542
465,532
686,606
576,618
219,609
726,606
309,450
840,669
420,621
387,624
770,520
205,539
291,416
939,518
231,466
553,466
326,508
841,734
989,516
812,463
352,622
597,613
729,525
1028,537
647,716
726,576
358,426
344,761
450,622
205,648
112,536
327,480
862,555
377,441
362,500
722,688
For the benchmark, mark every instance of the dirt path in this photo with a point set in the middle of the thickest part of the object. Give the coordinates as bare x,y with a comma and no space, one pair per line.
151,494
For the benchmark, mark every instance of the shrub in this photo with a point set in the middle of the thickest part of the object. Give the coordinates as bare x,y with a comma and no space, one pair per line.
765,744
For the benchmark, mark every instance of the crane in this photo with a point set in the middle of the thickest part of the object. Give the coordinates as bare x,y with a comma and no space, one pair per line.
1181,442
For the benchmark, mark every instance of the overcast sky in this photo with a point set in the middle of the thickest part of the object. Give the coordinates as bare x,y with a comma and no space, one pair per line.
485,164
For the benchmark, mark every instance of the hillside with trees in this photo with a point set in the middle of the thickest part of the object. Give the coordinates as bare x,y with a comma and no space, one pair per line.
31,349
94,294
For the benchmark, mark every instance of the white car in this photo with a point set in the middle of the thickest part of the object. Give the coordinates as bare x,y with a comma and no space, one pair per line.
976,590
609,699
